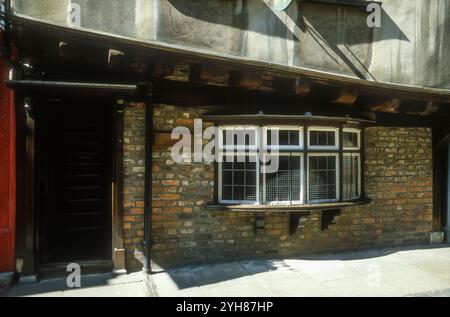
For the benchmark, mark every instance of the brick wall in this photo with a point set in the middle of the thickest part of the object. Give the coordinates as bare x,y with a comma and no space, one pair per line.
398,176
134,181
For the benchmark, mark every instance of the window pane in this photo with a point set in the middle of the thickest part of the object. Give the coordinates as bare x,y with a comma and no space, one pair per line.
227,178
322,178
239,137
239,178
250,193
227,165
250,164
285,137
350,176
227,192
294,137
285,185
238,193
239,163
313,137
250,178
322,138
350,139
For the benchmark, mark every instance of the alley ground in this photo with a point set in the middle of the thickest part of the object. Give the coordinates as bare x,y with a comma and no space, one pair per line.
389,272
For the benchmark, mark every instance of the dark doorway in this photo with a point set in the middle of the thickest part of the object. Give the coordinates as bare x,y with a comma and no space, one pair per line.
74,164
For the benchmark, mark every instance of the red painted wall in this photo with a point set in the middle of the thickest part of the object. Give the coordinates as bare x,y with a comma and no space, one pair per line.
7,172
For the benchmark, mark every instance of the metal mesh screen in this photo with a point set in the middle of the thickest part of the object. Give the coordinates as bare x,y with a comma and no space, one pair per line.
285,185
350,175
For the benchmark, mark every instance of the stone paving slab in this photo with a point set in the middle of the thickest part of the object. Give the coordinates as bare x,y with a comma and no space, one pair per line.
395,272
101,285
388,272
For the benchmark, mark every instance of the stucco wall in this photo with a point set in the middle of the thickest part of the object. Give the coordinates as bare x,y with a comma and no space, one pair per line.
398,176
410,48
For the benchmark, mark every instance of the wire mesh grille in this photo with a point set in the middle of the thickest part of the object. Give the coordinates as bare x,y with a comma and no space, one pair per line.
286,184
350,175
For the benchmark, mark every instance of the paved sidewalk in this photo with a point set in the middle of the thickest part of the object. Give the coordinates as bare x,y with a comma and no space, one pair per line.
389,272
101,285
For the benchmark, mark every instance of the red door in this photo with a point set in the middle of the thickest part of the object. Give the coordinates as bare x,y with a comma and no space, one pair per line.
7,172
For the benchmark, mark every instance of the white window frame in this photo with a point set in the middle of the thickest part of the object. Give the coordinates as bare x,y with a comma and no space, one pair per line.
324,147
337,178
352,130
302,187
235,147
358,179
304,150
267,147
220,184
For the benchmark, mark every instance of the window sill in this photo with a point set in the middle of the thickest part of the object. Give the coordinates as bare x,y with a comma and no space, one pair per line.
287,208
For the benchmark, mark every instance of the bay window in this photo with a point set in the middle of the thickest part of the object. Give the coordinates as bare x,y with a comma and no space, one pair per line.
313,165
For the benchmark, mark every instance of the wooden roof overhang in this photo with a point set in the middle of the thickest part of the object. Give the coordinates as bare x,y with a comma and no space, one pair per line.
265,119
62,51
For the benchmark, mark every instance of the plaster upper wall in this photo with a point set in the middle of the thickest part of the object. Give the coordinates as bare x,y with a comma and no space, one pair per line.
410,48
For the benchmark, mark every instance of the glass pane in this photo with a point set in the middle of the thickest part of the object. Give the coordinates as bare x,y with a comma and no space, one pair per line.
250,178
239,179
331,139
250,165
239,163
322,178
322,138
350,175
313,137
227,162
350,139
227,192
227,178
238,193
239,138
285,184
250,193
294,138
285,137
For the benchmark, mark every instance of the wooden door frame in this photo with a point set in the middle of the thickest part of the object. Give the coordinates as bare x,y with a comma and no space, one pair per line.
118,251
28,214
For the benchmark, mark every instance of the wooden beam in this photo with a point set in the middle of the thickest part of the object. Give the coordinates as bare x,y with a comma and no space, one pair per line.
432,107
346,96
139,64
172,70
389,105
302,86
248,80
181,72
209,74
